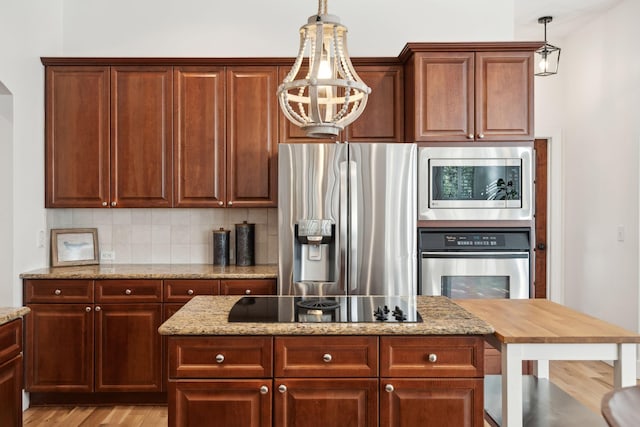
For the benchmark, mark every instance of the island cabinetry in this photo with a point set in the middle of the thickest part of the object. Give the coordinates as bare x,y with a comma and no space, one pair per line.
226,379
128,350
469,96
248,287
338,374
11,374
431,378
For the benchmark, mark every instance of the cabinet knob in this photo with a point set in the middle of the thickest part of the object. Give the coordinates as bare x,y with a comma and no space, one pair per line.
87,309
98,308
247,291
388,388
220,203
282,388
190,292
481,135
113,204
327,357
57,292
104,203
470,136
433,358
219,358
127,292
230,203
264,389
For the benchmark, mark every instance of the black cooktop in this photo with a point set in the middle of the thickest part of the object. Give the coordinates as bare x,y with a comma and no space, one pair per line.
325,309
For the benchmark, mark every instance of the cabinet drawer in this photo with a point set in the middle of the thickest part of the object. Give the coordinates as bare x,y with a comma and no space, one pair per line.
58,291
248,287
128,291
220,357
326,356
431,357
10,340
184,290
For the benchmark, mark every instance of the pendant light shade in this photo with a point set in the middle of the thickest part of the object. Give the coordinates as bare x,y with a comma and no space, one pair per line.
548,56
323,94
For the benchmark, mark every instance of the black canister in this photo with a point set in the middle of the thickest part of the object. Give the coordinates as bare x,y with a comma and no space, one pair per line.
221,243
245,251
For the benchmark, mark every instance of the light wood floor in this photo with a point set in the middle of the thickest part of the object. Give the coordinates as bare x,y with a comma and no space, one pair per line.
587,382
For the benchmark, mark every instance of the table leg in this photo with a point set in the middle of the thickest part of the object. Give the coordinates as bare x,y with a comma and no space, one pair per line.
624,368
541,368
511,385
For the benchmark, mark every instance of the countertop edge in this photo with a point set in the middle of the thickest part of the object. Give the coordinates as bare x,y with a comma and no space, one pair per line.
8,314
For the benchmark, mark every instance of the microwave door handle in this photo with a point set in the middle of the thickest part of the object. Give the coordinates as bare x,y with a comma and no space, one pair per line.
342,227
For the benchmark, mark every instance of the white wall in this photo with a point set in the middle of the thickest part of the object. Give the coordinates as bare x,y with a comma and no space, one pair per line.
28,29
596,112
6,193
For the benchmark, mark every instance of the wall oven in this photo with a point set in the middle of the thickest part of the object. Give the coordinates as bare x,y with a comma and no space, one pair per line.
475,183
469,263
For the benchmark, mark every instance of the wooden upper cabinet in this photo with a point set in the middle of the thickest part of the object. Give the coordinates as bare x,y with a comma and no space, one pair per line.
77,136
504,96
199,136
141,136
252,136
470,96
382,118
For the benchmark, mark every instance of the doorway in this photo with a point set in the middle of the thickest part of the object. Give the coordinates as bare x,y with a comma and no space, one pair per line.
6,195
541,193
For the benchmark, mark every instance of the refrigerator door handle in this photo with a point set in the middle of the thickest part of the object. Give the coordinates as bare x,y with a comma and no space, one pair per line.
342,224
353,226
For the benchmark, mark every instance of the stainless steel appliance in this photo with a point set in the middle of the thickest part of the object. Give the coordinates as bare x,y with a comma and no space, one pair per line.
475,263
475,183
347,219
326,309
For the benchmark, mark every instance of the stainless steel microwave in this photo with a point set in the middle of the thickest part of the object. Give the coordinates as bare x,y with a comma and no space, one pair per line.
475,183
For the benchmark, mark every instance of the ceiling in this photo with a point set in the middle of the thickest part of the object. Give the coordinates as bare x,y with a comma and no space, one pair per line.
568,15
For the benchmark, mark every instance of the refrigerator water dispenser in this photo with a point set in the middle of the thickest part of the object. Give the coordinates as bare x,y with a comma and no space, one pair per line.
314,251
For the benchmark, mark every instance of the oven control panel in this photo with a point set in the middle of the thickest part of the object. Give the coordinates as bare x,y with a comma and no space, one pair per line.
483,240
478,239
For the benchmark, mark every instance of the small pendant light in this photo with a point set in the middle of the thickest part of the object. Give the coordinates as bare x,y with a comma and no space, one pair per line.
329,95
548,56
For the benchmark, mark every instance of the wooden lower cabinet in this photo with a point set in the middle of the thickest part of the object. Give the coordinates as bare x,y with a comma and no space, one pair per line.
11,374
248,287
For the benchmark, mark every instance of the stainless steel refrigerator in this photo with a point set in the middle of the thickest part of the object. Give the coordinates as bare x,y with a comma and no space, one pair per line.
347,219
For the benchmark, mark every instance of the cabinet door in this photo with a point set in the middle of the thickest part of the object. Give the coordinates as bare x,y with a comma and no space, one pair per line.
11,393
128,347
440,104
248,287
221,403
326,402
199,136
382,118
59,348
431,403
77,137
252,135
504,96
141,136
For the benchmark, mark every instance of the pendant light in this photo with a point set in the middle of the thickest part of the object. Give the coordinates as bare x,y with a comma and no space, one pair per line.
323,94
548,56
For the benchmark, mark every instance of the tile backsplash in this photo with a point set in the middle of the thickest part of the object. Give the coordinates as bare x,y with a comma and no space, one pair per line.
176,236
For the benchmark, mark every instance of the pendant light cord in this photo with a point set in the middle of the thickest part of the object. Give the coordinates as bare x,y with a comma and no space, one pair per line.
322,7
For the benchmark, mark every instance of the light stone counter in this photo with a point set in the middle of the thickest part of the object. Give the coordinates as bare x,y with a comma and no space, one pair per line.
7,314
207,315
155,271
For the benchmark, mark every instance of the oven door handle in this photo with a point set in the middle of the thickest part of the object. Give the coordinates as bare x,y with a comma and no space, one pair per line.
463,255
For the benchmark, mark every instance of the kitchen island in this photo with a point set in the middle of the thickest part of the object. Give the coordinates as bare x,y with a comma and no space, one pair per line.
11,365
325,373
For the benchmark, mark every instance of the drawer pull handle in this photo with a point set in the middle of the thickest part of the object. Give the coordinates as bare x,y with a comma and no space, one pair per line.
389,388
433,358
264,389
327,357
190,292
127,292
219,358
87,309
282,388
247,292
57,292
98,308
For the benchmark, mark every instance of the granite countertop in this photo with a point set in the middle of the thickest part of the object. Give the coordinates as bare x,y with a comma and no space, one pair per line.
7,314
207,315
155,271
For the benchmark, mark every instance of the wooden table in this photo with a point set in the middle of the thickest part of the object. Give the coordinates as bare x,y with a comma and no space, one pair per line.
541,330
